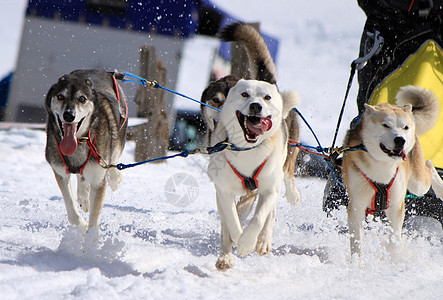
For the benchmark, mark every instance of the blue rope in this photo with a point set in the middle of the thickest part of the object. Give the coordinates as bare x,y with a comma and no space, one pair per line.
319,147
126,166
140,80
156,85
203,150
184,96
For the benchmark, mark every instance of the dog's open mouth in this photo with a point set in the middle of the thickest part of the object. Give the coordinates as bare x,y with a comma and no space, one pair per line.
253,126
394,153
68,145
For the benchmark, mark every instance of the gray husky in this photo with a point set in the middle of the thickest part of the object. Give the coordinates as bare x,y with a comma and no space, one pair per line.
86,128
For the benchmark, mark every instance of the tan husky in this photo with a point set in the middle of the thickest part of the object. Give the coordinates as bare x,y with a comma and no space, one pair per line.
391,161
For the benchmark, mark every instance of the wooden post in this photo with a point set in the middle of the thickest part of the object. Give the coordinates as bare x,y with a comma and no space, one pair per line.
239,58
151,138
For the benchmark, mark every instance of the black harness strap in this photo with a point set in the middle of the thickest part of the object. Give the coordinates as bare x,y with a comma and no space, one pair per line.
249,183
380,200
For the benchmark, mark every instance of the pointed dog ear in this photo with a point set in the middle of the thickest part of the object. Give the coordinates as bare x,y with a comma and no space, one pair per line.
407,108
370,109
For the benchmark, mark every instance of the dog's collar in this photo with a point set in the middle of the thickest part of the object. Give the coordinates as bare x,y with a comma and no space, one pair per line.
380,200
358,147
225,145
92,152
249,182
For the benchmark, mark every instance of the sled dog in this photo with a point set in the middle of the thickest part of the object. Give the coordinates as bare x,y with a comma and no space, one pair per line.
86,126
391,160
252,119
215,95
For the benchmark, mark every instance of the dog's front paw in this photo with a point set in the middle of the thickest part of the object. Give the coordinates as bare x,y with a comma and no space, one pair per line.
92,235
225,262
292,193
77,220
264,245
114,179
293,197
246,244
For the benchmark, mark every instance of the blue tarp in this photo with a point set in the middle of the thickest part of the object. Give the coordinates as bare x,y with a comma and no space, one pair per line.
5,83
167,17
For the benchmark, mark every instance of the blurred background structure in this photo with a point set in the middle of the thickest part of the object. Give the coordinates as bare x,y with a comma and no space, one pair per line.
60,36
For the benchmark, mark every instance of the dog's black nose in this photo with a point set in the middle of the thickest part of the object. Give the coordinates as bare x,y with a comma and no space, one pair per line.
255,108
399,142
68,116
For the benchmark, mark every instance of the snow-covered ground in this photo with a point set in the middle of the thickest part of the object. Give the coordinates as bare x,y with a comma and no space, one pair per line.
153,247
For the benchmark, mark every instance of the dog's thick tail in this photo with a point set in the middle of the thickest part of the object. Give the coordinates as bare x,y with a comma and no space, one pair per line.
260,61
425,106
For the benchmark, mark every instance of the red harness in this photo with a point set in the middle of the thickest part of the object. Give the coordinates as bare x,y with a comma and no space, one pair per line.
93,151
380,200
91,145
249,183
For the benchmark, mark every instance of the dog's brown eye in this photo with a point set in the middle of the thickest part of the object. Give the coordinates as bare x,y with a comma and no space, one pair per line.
60,97
406,127
267,97
82,99
216,100
245,95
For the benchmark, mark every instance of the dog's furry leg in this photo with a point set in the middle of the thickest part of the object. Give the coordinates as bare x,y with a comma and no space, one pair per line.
290,100
396,215
97,197
225,260
420,180
292,193
265,205
64,183
82,193
264,240
114,179
244,206
356,216
227,205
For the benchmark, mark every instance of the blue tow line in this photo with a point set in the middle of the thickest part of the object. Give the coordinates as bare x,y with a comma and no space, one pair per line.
154,84
220,146
319,147
126,166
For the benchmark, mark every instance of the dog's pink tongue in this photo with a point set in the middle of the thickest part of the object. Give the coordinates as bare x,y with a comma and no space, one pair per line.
261,127
68,144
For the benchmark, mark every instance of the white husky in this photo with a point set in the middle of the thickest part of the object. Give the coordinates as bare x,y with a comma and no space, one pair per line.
252,119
